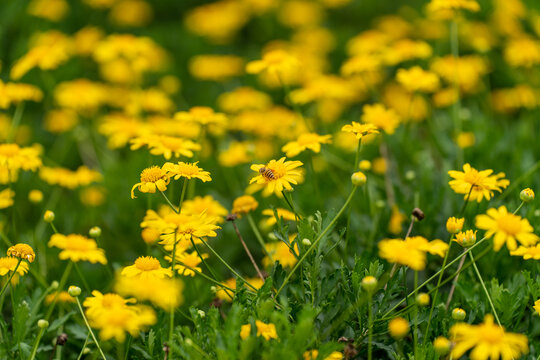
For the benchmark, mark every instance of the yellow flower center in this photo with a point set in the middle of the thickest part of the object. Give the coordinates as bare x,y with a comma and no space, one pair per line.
80,243
9,150
510,224
187,169
112,300
170,142
147,263
151,174
492,334
201,111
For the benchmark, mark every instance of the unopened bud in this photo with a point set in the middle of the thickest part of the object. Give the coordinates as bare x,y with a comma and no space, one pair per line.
35,196
54,285
410,175
188,342
526,195
42,324
74,291
458,314
466,239
306,242
442,345
422,299
86,350
48,216
369,283
418,214
454,225
201,313
94,232
358,178
62,339
213,289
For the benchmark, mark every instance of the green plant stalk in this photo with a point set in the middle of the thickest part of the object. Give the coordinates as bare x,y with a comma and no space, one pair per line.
89,328
415,328
83,279
36,344
227,264
290,202
485,289
83,347
519,207
437,274
173,264
355,168
434,301
169,202
10,277
316,242
370,325
183,194
258,236
454,45
210,269
17,116
61,285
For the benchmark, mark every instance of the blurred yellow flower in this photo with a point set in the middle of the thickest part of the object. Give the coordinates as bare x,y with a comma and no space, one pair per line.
507,228
216,67
131,13
275,62
476,185
238,153
243,98
398,328
283,214
163,292
488,341
313,354
202,115
60,120
436,5
93,196
359,129
77,248
465,139
68,178
532,252
53,10
6,198
522,52
9,263
61,296
187,263
311,141
165,145
395,225
244,204
14,158
411,252
454,225
417,79
383,118
282,253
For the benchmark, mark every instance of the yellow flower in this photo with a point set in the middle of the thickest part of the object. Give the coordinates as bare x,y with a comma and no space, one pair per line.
131,13
466,71
22,251
466,238
417,79
113,316
60,121
53,10
244,204
398,328
6,198
9,263
14,158
227,295
465,139
411,251
310,141
313,354
216,67
166,145
360,129
165,292
488,341
186,263
454,225
532,252
245,331
522,52
202,115
62,296
276,62
395,225
152,178
93,196
207,204
244,98
277,175
282,253
78,248
537,306
69,179
186,170
476,185
267,331
146,268
383,118
283,214
237,153
436,5
507,228
14,93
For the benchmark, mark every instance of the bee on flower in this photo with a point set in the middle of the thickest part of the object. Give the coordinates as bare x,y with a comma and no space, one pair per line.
277,175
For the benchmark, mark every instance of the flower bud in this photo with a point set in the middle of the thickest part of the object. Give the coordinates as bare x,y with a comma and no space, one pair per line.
442,345
380,204
458,314
201,313
35,196
364,165
306,242
86,350
95,232
74,291
213,289
410,175
454,225
398,328
369,283
422,299
526,195
188,342
42,324
54,285
418,214
48,216
466,239
358,178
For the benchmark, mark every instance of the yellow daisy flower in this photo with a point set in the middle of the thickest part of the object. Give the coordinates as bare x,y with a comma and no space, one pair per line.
202,115
207,204
22,251
14,158
146,268
436,5
417,79
360,129
482,183
385,119
165,292
537,306
277,175
283,214
9,263
244,204
527,253
187,262
275,62
507,228
280,252
186,170
488,341
6,198
412,251
166,145
78,248
152,178
62,296
310,141
398,328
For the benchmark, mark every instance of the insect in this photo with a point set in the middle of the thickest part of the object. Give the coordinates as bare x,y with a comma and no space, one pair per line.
267,173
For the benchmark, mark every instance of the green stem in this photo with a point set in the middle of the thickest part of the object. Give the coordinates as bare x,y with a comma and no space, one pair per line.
17,116
54,228
415,328
169,202
290,202
89,328
466,201
10,277
183,194
226,264
83,347
36,344
434,301
258,236
61,285
316,242
485,289
83,279
173,264
210,269
519,207
370,326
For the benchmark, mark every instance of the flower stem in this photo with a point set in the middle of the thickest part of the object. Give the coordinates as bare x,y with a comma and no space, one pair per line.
454,283
171,315
36,344
83,347
247,251
17,116
258,236
169,202
290,202
89,328
212,272
370,325
61,285
10,277
485,289
519,207
466,202
81,275
415,329
316,242
183,194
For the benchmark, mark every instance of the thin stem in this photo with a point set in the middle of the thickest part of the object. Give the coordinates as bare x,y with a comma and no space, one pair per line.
258,236
519,207
17,116
171,316
54,228
36,344
89,328
227,265
202,259
169,202
83,347
370,326
61,285
247,250
290,202
415,329
10,277
485,289
434,301
81,275
466,201
454,283
183,194
316,242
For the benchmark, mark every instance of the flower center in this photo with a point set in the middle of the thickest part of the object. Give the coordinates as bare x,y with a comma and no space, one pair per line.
112,300
151,174
493,335
79,243
201,111
188,169
147,263
510,224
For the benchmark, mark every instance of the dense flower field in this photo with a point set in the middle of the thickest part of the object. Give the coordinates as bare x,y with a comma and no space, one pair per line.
269,179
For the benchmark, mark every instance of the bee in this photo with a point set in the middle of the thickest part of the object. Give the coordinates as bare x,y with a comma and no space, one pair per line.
267,173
